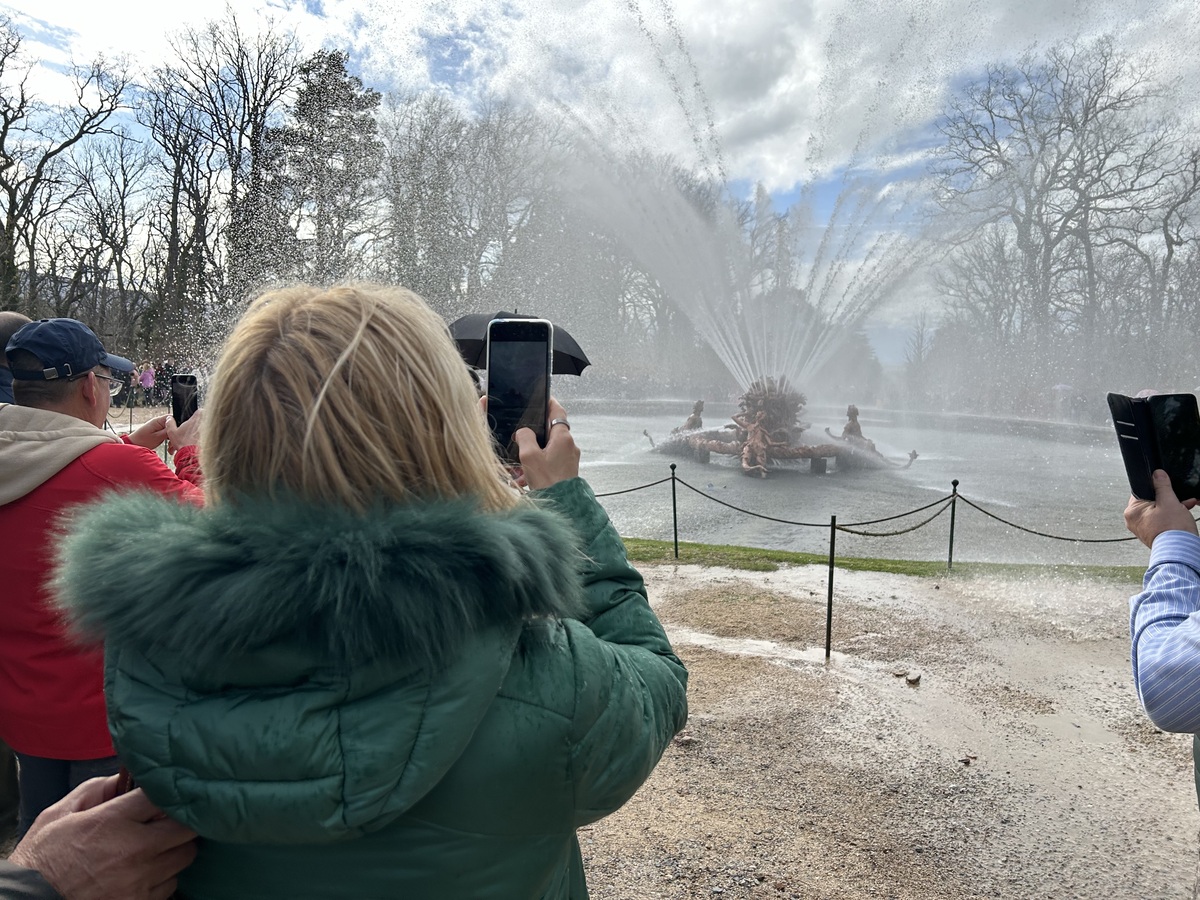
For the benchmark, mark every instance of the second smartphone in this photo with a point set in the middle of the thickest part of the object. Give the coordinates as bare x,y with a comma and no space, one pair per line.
519,353
185,397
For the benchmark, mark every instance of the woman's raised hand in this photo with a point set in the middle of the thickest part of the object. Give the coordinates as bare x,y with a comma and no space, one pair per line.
557,461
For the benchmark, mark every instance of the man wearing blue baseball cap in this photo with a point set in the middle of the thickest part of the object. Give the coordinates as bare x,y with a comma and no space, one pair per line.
55,455
62,349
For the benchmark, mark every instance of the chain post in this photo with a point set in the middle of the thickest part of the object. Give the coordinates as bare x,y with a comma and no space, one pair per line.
829,604
953,509
674,511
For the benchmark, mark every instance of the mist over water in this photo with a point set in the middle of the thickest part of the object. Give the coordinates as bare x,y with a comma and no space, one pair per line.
882,216
782,289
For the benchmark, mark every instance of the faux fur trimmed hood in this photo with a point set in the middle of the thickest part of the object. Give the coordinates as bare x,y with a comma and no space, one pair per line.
403,582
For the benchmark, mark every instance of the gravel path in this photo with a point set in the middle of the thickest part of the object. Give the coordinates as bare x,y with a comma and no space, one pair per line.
971,737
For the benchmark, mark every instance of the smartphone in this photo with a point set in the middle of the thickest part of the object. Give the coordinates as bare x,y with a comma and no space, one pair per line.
1161,431
125,782
185,397
518,380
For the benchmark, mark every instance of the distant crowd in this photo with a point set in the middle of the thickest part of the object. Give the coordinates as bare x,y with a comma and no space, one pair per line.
147,385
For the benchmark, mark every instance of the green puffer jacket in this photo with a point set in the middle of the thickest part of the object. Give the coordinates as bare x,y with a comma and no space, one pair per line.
424,702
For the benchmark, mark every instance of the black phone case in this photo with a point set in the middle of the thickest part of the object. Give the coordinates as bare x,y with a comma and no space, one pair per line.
506,448
181,411
1139,421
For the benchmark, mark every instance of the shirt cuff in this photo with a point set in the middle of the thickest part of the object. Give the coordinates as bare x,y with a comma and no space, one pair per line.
1176,547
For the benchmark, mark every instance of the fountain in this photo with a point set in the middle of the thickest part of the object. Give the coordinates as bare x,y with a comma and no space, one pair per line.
773,296
768,429
849,255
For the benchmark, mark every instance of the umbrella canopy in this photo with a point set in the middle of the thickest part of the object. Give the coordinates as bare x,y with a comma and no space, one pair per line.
470,334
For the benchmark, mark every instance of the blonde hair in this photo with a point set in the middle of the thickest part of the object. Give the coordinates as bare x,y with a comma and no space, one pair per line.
345,396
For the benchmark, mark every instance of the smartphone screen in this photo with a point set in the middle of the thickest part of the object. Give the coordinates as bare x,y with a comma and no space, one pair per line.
185,397
1177,433
518,380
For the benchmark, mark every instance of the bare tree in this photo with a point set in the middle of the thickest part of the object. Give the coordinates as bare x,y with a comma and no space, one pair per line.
35,141
181,246
1060,176
458,192
237,86
917,350
419,243
505,169
115,177
1049,147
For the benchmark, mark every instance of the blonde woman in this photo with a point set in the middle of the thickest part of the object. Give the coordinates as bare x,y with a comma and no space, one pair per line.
369,668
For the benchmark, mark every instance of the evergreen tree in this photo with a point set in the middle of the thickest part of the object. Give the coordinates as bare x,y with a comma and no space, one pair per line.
331,159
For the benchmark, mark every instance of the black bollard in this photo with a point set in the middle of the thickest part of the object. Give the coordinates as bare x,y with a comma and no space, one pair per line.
674,511
953,509
829,605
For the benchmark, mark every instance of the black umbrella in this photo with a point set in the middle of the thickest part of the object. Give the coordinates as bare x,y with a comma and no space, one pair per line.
470,334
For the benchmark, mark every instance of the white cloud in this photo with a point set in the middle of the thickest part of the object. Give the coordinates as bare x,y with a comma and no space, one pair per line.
61,33
793,86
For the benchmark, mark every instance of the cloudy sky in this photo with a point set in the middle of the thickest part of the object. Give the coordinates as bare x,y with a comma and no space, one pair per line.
767,90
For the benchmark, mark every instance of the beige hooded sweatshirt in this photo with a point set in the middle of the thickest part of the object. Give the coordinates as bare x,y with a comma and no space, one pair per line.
37,444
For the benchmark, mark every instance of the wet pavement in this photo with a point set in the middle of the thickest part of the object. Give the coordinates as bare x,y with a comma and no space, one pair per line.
1018,766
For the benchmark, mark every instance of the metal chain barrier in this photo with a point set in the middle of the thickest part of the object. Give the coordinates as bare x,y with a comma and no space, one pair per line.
944,502
746,511
1053,537
856,528
640,487
850,530
945,499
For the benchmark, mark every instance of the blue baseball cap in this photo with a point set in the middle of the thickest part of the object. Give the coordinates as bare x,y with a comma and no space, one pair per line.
66,348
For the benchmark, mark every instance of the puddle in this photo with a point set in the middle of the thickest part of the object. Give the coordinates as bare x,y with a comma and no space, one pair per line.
751,647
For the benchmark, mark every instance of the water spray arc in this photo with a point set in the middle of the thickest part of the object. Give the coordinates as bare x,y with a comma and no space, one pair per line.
783,321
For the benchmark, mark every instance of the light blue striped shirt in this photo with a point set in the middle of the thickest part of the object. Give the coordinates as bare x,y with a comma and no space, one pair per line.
1164,625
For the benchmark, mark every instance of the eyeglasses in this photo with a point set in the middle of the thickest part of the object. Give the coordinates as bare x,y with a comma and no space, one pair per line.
114,383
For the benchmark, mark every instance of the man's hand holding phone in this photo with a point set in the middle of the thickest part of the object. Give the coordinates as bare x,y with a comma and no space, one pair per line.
557,461
185,435
1147,519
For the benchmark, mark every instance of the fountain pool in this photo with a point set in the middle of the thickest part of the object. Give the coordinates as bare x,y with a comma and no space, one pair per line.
1071,487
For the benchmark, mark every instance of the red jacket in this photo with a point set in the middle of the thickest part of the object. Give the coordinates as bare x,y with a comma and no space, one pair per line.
51,690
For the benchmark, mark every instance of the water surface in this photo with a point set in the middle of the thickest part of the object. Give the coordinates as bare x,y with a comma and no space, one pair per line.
1073,486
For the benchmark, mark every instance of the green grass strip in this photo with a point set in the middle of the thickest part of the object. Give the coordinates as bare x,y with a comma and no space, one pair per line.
757,560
